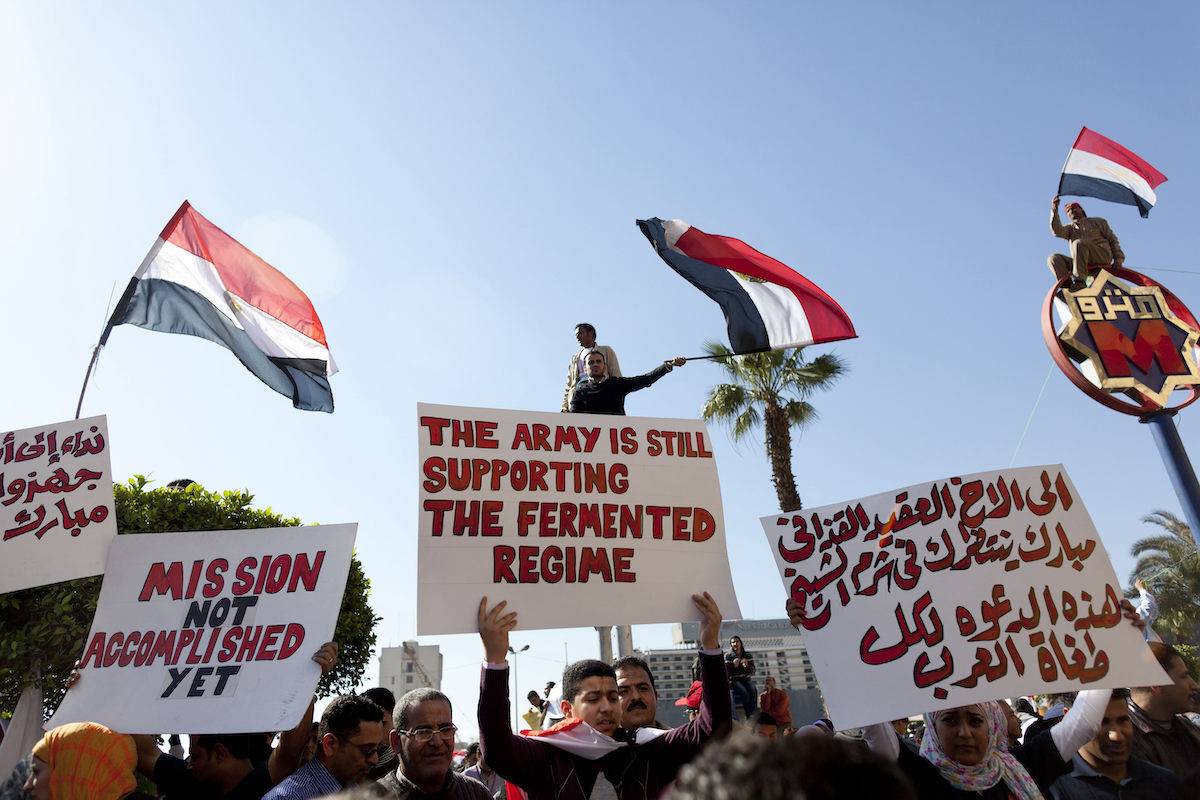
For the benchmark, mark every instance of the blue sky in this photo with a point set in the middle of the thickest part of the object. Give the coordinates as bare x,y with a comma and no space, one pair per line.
455,185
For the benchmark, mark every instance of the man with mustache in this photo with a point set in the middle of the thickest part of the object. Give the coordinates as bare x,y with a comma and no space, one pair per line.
1105,767
647,770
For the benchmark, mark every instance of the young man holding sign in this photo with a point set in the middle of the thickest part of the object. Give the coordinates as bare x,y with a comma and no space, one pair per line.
591,754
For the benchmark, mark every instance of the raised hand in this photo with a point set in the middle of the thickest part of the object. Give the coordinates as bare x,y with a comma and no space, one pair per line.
710,621
795,613
326,657
494,626
1130,613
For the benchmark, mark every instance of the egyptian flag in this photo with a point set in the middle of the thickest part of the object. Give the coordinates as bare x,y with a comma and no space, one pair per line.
198,280
767,304
1099,167
579,739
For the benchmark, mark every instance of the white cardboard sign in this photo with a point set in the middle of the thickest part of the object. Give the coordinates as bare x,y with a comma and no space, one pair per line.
955,592
211,631
573,519
57,516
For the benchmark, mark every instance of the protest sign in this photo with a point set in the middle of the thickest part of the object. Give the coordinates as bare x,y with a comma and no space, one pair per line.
56,503
575,520
955,592
210,631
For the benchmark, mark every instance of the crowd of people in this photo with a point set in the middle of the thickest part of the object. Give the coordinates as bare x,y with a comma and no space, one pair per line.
604,741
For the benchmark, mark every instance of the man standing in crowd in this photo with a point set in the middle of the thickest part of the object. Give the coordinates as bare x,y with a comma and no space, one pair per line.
581,758
602,393
535,717
585,334
350,738
1164,737
424,740
388,760
1104,767
222,765
765,725
1093,243
481,772
648,769
775,701
741,666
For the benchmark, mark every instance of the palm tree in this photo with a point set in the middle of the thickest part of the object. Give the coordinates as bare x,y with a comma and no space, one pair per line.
1169,564
770,389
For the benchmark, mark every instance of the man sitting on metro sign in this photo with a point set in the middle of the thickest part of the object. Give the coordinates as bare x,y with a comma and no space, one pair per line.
1131,336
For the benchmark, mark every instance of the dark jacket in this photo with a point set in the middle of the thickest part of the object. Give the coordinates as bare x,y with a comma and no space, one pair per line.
608,396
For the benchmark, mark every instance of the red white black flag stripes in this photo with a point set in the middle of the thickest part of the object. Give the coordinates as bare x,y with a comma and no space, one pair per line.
1099,167
198,280
780,309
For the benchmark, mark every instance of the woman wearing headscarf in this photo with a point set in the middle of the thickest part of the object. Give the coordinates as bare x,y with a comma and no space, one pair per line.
82,761
965,751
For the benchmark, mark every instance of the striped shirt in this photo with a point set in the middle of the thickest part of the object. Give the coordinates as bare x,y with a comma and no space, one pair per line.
311,780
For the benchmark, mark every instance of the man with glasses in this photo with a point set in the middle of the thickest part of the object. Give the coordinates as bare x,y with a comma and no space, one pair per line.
424,740
349,741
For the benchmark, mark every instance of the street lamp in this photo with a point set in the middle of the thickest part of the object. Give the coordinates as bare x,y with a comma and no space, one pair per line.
516,684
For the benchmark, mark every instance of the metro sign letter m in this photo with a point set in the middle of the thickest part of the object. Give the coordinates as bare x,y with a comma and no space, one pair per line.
1151,342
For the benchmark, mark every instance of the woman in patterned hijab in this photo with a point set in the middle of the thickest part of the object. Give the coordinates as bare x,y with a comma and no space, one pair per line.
82,761
969,747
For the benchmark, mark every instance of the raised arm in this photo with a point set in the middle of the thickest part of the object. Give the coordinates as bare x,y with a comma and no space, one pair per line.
1056,227
642,381
514,758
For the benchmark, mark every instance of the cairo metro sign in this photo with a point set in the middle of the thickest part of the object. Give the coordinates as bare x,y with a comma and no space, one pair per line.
1126,341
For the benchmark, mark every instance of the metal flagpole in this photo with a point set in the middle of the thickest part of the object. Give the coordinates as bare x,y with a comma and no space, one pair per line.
108,326
1179,466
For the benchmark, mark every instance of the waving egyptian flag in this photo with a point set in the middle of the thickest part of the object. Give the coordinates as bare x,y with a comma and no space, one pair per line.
198,280
767,304
579,739
1099,167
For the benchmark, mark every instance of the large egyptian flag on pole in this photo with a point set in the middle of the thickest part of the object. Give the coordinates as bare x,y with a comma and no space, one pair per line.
1099,167
767,304
198,280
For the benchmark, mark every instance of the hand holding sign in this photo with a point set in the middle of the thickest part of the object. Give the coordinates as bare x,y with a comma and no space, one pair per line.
710,621
494,626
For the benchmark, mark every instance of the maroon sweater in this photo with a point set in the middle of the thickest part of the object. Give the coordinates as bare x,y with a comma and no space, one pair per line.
638,772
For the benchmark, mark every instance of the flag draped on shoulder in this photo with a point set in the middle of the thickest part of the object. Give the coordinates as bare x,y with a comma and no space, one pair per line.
200,281
767,304
1099,167
580,739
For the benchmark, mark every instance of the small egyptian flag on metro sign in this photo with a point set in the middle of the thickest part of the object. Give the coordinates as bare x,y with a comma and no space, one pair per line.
1099,167
767,304
200,281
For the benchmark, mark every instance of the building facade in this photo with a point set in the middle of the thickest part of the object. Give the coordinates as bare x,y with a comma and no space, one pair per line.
410,666
778,651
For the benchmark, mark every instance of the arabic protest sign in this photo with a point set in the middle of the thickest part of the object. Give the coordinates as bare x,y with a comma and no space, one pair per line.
211,631
956,592
56,503
575,520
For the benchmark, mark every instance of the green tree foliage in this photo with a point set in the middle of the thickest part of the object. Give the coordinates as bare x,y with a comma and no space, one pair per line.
770,390
1169,564
42,630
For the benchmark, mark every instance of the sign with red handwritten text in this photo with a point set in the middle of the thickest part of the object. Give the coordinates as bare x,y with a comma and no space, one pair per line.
574,519
955,592
56,503
210,631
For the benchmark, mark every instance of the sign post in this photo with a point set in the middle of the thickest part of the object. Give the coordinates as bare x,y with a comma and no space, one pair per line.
1130,344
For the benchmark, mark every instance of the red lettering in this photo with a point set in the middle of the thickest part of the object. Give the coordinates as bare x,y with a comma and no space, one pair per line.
280,567
305,572
215,573
679,523
270,637
1151,342
552,567
113,651
434,470
94,651
438,508
293,637
162,579
245,576
527,554
594,560
525,516
622,571
435,426
502,558
703,525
